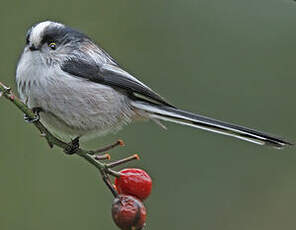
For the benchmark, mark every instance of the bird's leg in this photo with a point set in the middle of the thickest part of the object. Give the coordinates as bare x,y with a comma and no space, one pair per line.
36,111
73,146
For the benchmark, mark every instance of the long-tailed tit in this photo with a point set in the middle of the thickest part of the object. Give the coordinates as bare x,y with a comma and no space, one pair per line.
81,91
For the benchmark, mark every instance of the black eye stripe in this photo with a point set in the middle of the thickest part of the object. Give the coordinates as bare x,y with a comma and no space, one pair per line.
61,35
47,39
28,36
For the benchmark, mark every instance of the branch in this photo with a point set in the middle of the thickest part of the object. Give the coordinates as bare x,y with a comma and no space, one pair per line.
89,155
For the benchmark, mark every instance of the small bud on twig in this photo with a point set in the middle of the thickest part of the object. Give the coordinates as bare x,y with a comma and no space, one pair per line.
106,156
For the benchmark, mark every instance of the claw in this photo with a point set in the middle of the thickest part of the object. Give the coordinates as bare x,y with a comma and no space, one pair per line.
30,120
36,111
73,146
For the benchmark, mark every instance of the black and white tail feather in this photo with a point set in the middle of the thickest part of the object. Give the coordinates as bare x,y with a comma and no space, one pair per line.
168,113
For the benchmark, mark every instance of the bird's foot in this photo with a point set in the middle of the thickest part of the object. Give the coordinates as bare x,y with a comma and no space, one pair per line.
73,146
36,111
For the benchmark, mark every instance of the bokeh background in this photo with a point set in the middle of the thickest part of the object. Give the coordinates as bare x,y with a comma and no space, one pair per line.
233,60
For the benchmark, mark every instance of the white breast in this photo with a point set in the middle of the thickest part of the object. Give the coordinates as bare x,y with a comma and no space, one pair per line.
72,106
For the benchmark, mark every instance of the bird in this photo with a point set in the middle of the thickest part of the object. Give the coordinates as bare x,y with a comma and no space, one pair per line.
77,90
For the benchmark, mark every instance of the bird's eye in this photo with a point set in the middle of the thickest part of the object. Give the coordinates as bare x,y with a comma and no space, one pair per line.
52,45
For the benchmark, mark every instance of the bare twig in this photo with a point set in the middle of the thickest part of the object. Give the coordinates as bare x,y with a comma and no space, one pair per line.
106,148
124,160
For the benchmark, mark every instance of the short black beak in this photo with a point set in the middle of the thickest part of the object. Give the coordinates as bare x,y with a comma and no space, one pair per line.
33,48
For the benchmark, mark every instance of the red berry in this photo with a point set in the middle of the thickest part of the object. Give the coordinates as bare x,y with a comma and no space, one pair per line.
135,182
128,212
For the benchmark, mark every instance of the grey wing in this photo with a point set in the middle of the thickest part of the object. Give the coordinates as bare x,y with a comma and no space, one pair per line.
114,76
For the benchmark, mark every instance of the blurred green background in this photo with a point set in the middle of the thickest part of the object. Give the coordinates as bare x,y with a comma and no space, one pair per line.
233,60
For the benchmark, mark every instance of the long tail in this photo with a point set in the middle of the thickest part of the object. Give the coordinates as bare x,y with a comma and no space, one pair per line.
175,115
